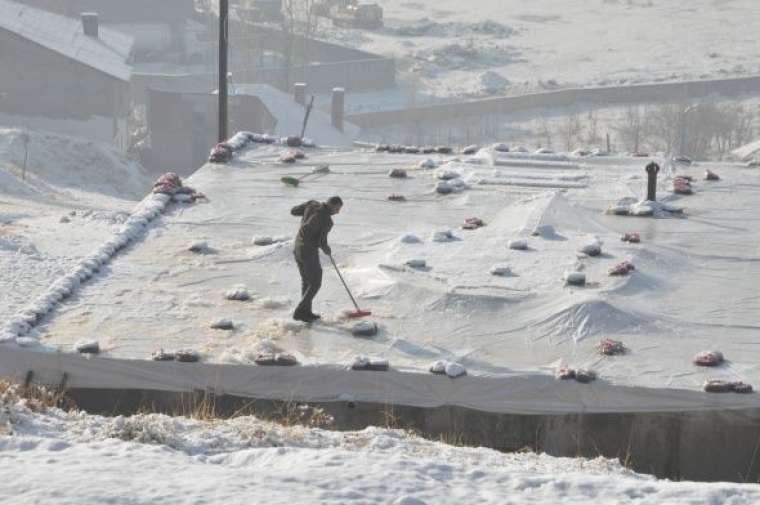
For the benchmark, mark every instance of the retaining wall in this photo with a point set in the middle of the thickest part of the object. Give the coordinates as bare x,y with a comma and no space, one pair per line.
676,434
642,93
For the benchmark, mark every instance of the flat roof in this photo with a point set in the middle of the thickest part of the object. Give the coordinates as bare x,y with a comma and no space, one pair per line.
694,287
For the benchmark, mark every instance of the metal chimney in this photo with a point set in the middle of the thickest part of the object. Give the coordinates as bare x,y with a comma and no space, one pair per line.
90,24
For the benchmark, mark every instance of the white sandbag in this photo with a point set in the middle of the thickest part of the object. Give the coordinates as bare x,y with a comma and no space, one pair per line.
575,278
263,241
416,263
443,236
238,293
427,164
27,342
592,248
642,209
501,270
447,174
222,324
410,239
198,247
518,244
439,367
455,370
87,347
364,329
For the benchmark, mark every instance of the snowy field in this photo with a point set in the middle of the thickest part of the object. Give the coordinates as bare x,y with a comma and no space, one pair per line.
75,458
457,49
692,289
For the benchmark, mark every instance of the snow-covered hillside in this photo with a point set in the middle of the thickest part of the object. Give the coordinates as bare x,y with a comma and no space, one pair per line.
509,46
58,168
56,457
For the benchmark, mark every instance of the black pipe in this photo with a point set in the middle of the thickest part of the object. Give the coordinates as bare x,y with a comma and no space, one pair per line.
223,42
652,170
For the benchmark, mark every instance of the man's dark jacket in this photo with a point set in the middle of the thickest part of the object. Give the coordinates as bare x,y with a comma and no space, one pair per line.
316,223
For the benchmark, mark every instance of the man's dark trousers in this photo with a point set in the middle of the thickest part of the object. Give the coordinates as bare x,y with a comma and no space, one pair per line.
310,269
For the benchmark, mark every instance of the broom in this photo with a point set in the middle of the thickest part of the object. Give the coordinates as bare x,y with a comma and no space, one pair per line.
354,313
295,181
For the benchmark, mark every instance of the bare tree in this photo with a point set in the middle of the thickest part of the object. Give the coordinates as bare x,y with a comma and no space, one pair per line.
592,128
664,124
630,128
545,131
571,129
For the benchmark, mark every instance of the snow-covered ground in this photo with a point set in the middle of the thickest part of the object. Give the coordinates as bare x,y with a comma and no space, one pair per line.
491,47
71,197
74,458
692,289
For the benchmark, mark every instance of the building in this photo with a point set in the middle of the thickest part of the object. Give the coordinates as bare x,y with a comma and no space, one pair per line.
64,69
159,28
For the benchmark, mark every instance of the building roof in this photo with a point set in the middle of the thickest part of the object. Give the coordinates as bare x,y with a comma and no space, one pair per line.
108,53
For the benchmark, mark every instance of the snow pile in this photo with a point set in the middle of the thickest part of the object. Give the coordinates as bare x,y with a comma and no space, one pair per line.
56,163
630,206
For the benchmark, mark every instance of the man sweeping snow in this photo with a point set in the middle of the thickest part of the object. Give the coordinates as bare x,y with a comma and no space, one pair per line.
316,223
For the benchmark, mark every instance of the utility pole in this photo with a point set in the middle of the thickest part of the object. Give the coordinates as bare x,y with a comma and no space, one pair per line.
223,44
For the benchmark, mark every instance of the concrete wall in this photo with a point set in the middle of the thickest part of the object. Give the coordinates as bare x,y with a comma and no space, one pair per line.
644,93
329,65
354,75
183,127
713,445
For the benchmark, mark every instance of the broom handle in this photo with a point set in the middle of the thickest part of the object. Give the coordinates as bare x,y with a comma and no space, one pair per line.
344,283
